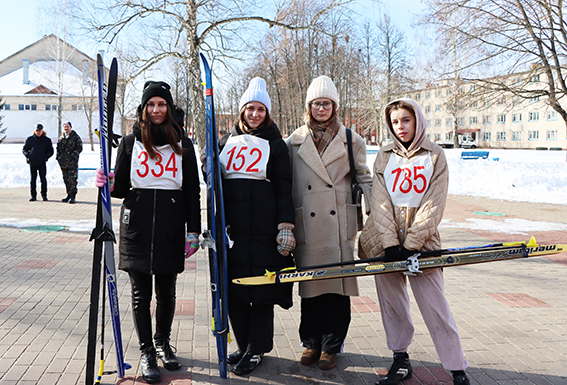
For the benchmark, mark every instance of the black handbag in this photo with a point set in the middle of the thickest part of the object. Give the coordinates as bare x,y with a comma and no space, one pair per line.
356,189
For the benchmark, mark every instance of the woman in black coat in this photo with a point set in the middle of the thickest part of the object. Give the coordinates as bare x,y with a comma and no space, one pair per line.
156,174
259,210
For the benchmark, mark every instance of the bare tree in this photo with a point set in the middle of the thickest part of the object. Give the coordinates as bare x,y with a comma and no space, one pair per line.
169,28
523,40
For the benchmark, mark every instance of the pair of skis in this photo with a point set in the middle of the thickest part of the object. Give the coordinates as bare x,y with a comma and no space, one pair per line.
103,235
411,266
216,237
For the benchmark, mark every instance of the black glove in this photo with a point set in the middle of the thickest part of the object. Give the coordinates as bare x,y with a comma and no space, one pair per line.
405,253
392,254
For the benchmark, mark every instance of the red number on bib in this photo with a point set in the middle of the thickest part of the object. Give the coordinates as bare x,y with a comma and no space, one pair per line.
417,176
171,164
144,163
408,180
250,169
159,165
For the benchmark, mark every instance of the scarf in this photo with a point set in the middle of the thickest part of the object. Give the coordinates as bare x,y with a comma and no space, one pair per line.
323,133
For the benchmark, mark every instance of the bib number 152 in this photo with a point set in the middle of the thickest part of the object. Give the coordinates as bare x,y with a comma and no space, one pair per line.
237,160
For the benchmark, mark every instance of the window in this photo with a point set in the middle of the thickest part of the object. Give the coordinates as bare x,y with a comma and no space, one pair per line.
517,135
27,107
500,102
438,93
486,136
501,118
449,136
460,121
448,92
448,121
474,104
76,107
534,79
534,99
6,107
438,108
486,119
428,123
427,109
417,96
473,120
501,135
473,87
51,107
551,135
533,135
516,118
437,122
486,104
427,94
534,116
437,137
551,115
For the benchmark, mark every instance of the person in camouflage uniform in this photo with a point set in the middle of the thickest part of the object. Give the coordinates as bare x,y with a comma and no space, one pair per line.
69,147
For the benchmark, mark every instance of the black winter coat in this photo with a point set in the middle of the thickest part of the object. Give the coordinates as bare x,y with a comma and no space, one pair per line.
253,210
68,150
38,150
154,222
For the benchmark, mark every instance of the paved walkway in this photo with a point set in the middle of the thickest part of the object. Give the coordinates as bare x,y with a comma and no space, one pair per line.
512,315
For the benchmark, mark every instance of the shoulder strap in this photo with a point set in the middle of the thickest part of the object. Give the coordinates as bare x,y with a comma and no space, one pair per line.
350,156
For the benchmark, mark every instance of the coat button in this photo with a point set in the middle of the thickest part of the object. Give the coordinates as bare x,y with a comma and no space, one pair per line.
330,186
333,212
312,214
309,187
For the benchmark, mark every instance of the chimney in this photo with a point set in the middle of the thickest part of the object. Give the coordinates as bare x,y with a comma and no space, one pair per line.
26,68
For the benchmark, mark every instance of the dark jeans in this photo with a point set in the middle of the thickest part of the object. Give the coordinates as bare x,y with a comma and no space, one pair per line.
34,170
165,308
324,322
252,326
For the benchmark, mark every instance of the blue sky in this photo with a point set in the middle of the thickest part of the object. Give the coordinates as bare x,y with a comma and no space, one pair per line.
21,22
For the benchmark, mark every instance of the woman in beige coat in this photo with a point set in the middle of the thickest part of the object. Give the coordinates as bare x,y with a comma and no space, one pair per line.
325,219
408,199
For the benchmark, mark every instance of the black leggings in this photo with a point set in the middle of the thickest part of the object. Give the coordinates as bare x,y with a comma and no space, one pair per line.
252,326
165,309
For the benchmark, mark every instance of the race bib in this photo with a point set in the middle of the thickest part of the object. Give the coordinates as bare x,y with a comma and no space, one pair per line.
245,157
407,180
163,172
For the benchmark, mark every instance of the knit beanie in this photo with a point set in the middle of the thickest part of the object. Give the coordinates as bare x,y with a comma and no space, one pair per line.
256,92
160,89
322,87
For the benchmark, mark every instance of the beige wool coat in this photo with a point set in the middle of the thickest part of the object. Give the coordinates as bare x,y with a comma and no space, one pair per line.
415,228
325,218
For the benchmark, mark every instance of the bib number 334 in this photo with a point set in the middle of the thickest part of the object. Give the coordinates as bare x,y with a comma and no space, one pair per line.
407,180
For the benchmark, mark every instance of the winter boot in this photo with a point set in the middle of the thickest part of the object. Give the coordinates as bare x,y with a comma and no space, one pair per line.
44,197
247,363
327,361
72,198
150,370
460,378
233,358
66,199
33,199
400,370
310,356
166,354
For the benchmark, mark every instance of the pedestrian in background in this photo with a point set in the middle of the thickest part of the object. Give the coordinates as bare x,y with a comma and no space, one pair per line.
37,150
409,194
160,220
259,211
69,146
325,219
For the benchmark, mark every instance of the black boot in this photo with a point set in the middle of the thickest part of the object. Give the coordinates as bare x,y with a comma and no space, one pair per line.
72,198
166,354
44,197
247,363
150,370
460,378
400,370
66,199
233,358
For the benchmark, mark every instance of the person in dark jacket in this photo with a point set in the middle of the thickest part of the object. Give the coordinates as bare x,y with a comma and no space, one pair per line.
156,174
37,150
259,210
69,146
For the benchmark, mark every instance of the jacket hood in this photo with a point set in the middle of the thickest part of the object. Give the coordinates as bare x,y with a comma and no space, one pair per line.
420,126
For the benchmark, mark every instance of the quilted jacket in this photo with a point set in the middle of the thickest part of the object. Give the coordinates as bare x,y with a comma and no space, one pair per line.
415,228
325,218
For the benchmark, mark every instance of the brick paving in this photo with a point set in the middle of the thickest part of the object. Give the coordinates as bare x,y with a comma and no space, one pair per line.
512,315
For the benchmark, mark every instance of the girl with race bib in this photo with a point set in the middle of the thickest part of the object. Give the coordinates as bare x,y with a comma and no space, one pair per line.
325,219
156,174
259,210
409,193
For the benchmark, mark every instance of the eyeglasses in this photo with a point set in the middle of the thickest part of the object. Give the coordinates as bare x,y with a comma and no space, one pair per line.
326,105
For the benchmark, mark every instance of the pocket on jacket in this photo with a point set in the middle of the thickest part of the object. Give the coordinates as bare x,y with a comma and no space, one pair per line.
299,231
352,221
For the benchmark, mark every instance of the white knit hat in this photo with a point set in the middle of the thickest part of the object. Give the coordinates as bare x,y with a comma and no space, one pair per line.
256,92
322,87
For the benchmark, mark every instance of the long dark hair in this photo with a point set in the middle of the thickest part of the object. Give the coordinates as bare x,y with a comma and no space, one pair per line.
170,129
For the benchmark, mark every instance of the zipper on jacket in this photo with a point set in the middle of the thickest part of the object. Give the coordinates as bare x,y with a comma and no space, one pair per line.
153,233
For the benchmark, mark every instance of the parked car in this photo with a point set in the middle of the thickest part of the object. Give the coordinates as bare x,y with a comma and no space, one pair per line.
468,142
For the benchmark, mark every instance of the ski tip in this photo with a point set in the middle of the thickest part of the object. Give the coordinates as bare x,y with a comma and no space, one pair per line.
127,366
532,242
